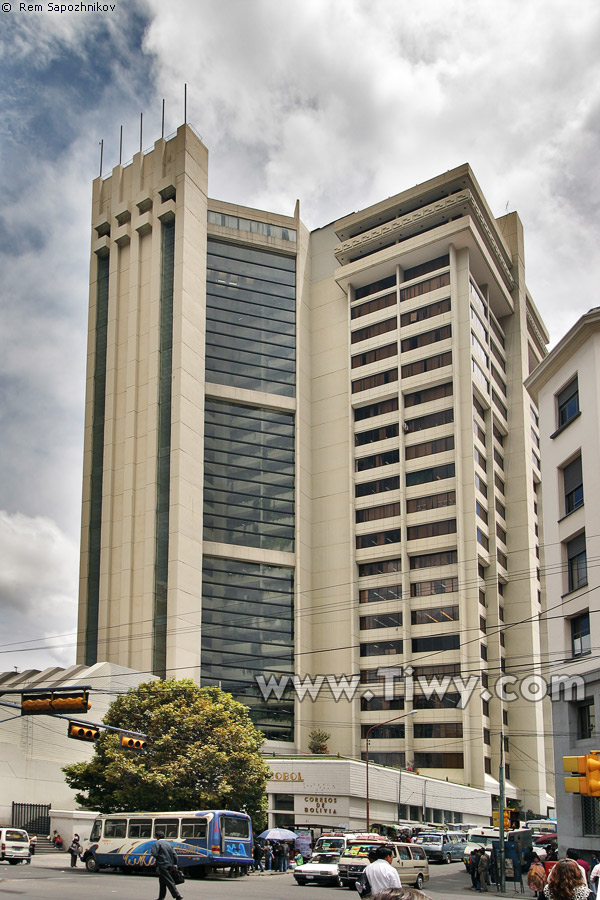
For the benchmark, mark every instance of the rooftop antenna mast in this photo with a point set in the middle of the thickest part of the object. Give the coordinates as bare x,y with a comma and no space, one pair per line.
185,104
163,119
141,128
121,146
101,155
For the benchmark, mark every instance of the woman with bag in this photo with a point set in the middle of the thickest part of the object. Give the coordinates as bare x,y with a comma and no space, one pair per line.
536,877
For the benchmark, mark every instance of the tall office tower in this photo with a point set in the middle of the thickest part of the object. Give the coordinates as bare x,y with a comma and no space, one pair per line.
297,443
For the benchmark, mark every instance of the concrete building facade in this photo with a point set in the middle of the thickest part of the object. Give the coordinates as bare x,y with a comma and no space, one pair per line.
565,387
311,465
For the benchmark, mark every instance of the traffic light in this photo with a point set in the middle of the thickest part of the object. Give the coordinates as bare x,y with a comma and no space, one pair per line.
133,743
47,703
587,779
80,732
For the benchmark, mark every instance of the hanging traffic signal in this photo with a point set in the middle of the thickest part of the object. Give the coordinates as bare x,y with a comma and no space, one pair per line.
80,732
592,773
587,780
133,743
47,703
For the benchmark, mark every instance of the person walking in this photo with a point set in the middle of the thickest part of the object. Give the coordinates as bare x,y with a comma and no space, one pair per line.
381,874
257,855
566,882
536,877
32,843
74,850
166,860
482,870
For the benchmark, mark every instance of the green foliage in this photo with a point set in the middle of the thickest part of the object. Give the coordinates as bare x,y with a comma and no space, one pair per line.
203,753
317,741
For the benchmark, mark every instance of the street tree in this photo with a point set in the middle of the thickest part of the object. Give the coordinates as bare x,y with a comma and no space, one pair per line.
202,752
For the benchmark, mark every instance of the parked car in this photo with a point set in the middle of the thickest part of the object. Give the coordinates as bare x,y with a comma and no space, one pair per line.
14,845
441,846
322,868
408,859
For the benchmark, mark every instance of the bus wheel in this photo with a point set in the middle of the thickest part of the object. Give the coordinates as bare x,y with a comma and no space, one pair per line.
419,882
91,864
126,870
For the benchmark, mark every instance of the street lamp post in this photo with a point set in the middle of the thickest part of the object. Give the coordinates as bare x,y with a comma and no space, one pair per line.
369,730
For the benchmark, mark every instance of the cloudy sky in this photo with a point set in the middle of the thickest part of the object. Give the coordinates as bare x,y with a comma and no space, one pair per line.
336,102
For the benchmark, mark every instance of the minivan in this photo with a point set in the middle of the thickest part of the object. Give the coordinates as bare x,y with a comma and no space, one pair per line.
442,846
14,845
409,860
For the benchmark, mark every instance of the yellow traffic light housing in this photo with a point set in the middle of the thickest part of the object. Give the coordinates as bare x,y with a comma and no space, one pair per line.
129,742
587,779
47,703
80,732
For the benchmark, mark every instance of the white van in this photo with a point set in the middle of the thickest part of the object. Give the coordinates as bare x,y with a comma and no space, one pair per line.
338,840
14,845
409,859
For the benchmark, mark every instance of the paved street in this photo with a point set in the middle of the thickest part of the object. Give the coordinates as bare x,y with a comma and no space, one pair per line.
49,876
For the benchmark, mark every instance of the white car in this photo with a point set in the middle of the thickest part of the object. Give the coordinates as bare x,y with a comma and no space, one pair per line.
322,868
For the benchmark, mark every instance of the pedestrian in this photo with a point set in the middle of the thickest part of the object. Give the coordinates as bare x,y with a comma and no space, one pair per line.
166,861
257,855
58,842
401,893
381,874
268,856
32,843
482,869
474,869
565,882
595,875
583,865
74,850
536,877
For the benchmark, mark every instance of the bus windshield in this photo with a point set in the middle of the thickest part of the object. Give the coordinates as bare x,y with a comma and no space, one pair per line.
235,828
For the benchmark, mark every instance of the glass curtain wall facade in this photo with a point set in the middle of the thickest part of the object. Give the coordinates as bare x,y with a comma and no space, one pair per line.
249,476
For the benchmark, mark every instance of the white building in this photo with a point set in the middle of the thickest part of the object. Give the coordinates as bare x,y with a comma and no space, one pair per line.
566,387
34,749
327,793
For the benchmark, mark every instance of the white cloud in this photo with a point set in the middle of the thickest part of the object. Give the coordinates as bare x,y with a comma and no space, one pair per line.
38,589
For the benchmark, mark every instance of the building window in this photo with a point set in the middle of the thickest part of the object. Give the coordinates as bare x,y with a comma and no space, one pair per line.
434,616
376,434
586,720
364,309
423,287
425,396
382,732
431,560
487,765
486,736
426,338
386,592
435,586
381,648
375,409
433,420
378,538
567,402
378,459
439,760
373,381
580,635
383,620
436,473
427,448
438,730
372,356
375,286
396,760
433,501
425,312
590,816
431,529
388,510
381,704
427,365
380,567
363,334
573,485
437,642
377,487
447,701
576,562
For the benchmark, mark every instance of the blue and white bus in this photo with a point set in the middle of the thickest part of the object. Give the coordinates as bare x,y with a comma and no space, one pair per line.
208,838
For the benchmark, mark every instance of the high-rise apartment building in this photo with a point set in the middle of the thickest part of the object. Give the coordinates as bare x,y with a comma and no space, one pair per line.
312,454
